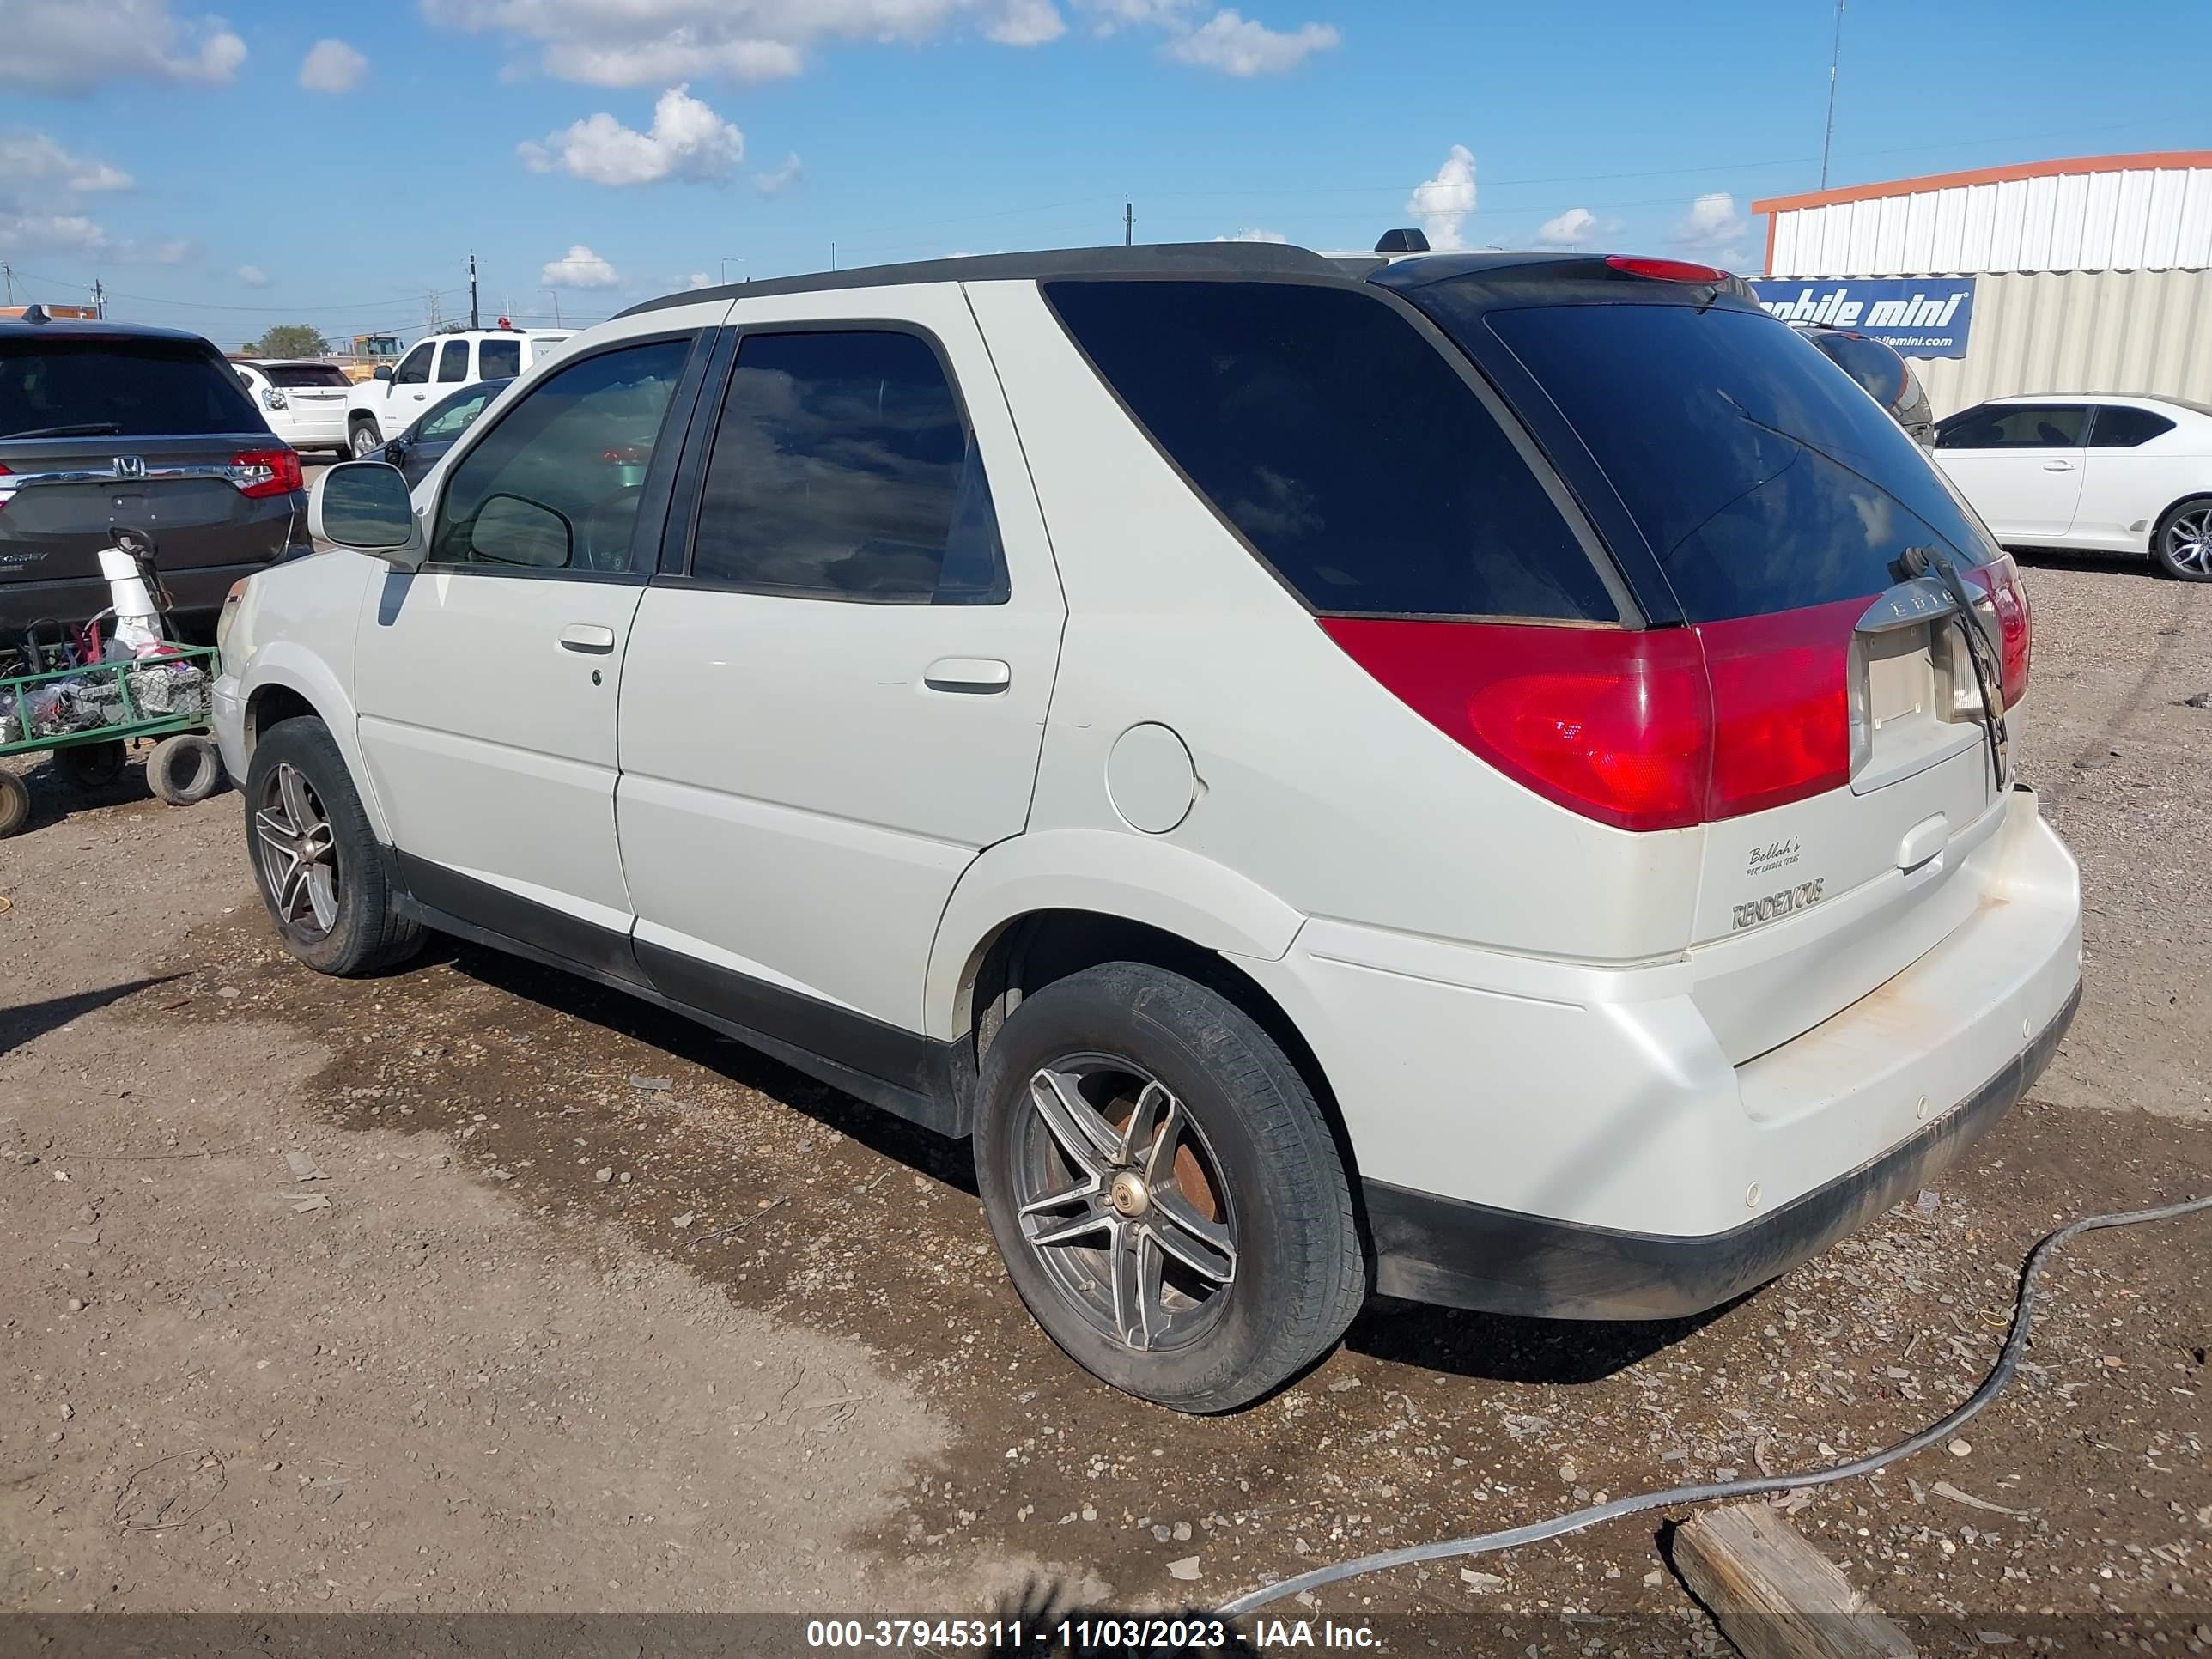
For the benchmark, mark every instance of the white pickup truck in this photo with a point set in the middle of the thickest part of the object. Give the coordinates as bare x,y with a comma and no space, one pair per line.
382,408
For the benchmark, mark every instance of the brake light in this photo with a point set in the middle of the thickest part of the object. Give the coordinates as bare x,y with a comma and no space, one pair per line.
1665,271
7,491
261,472
2000,579
1642,729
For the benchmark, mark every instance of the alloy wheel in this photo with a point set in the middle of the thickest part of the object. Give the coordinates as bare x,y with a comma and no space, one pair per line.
298,851
364,442
2189,542
1124,1203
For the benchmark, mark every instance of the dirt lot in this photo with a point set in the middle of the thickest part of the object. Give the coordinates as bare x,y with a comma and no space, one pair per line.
529,1335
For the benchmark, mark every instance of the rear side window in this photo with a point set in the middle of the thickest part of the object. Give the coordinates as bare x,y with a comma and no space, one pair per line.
2118,426
1756,472
2017,425
499,360
58,386
295,376
1339,444
842,469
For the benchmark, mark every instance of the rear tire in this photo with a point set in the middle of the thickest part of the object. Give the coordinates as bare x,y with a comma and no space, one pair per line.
2182,544
93,766
184,768
315,859
14,803
363,440
1210,1255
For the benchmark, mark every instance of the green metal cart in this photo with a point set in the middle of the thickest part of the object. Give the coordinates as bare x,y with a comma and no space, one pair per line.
184,767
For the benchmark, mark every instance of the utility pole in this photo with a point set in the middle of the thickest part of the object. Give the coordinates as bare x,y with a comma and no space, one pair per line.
98,299
1128,221
556,294
1835,57
430,317
10,271
833,256
475,319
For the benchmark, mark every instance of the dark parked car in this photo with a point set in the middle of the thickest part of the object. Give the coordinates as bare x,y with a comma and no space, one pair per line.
417,450
1887,377
109,427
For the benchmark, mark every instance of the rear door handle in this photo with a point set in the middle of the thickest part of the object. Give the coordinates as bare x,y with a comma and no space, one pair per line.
975,676
588,638
2058,466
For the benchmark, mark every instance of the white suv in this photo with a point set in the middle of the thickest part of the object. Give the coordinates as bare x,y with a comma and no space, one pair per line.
385,406
304,400
1485,780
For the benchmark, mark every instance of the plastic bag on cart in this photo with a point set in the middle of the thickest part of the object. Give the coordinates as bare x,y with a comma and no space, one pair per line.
10,728
60,707
168,690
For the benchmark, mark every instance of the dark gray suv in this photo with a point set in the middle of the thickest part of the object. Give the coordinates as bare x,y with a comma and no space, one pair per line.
109,427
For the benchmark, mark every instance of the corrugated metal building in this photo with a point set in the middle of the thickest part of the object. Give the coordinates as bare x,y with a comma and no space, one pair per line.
2090,275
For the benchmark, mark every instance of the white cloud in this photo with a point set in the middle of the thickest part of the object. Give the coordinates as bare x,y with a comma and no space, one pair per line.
1252,235
1711,222
34,160
1113,15
579,268
1443,203
688,142
332,66
69,46
779,179
69,233
1576,227
253,276
696,279
1235,45
40,186
633,43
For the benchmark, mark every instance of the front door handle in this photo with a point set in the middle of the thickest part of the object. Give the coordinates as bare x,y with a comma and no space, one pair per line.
588,638
2058,466
975,676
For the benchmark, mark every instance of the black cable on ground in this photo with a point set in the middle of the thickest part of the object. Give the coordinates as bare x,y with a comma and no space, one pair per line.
2015,1344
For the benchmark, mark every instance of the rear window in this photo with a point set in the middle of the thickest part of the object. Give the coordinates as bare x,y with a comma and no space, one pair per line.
1340,444
306,375
500,360
1760,477
1869,362
59,386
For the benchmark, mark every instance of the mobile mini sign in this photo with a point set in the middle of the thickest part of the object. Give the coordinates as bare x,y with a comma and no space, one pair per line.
1917,316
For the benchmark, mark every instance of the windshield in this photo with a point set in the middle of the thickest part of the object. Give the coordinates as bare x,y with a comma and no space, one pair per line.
1759,473
137,387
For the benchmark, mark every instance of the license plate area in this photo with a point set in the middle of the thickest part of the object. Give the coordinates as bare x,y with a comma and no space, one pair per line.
1915,702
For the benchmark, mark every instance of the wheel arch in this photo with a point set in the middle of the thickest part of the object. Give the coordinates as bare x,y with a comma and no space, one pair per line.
2158,519
284,682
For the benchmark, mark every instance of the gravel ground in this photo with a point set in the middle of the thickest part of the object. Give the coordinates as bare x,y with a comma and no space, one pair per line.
561,1342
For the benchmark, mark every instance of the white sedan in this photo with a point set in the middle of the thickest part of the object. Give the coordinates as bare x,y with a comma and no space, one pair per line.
2092,470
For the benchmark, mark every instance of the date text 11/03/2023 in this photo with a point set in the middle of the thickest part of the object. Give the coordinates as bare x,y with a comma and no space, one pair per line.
1090,1633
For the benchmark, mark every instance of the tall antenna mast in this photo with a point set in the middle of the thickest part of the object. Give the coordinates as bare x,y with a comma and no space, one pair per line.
1835,58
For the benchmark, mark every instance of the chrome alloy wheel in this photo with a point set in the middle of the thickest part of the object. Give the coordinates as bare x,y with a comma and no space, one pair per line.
298,850
1123,1202
365,444
2189,541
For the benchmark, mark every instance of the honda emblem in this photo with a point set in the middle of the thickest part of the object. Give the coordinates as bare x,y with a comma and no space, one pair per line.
129,467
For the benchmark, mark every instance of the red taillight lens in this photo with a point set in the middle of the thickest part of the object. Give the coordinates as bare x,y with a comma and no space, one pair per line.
1665,271
6,493
2001,581
259,472
1650,729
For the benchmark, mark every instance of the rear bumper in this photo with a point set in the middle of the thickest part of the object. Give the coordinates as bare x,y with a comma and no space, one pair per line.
1431,1248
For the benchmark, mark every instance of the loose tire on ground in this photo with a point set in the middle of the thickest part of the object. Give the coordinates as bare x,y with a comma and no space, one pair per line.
315,859
92,765
2182,544
184,768
1254,1184
14,803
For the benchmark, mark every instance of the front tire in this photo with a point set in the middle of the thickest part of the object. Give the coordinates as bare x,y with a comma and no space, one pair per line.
365,439
315,859
2182,544
1165,1192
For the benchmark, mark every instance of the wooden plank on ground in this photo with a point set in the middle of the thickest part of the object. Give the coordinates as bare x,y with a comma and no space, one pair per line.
1774,1595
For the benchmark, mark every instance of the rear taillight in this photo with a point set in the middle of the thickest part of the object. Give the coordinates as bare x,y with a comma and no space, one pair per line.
2000,579
1642,729
260,472
7,491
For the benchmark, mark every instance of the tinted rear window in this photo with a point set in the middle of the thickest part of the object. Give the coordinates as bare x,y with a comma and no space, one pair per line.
499,359
1340,443
1758,472
306,375
148,387
1869,362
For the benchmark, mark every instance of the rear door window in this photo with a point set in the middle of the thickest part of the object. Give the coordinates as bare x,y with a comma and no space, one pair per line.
58,386
453,361
1759,476
500,360
843,468
1340,444
2017,425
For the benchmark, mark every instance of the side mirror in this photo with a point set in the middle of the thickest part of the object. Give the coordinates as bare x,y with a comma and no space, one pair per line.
395,452
364,506
512,531
382,372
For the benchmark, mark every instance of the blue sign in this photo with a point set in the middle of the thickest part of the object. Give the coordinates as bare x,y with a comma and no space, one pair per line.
1915,316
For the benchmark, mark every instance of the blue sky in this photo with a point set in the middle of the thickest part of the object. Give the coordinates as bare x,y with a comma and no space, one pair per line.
261,162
